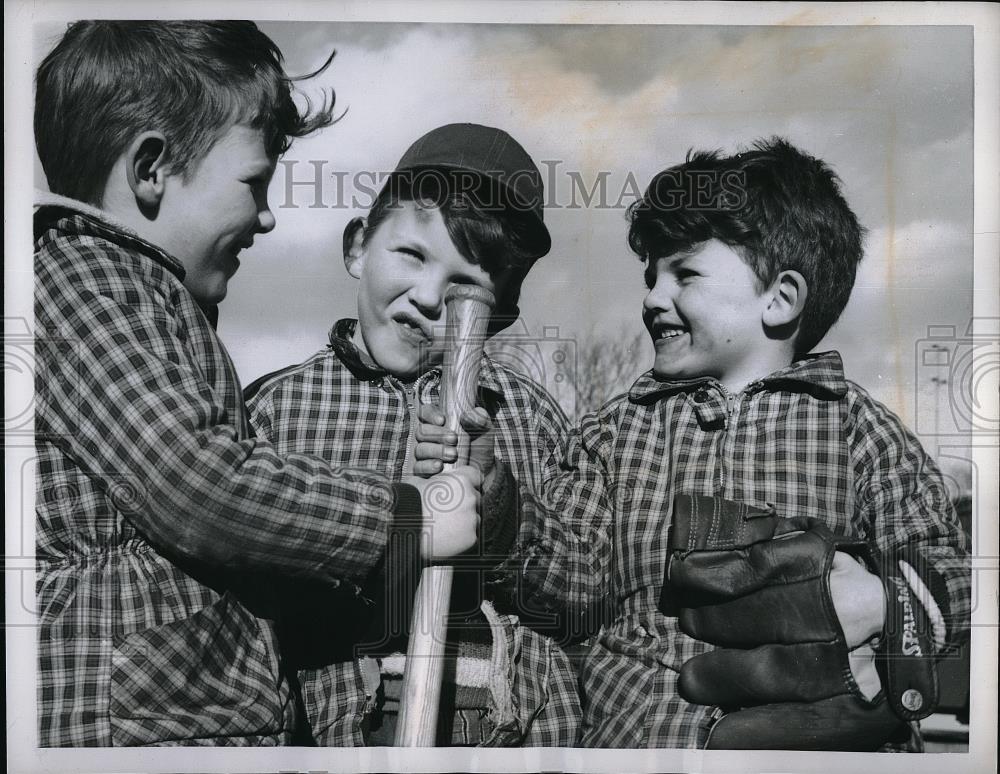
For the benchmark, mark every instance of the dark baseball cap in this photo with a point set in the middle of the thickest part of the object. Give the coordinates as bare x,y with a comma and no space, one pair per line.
492,155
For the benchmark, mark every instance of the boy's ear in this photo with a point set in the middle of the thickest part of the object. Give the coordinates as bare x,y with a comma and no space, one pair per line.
788,299
354,235
146,169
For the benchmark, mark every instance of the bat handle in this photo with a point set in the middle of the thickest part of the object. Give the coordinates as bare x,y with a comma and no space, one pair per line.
423,677
468,314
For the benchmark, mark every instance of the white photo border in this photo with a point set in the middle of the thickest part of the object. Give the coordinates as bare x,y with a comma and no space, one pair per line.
23,753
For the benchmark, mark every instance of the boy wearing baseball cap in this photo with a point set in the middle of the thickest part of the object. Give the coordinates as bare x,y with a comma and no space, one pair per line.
463,206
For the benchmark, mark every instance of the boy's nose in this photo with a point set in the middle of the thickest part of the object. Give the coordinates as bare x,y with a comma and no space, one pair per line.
265,220
657,299
428,296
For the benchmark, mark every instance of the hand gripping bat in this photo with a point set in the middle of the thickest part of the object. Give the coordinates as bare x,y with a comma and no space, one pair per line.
468,315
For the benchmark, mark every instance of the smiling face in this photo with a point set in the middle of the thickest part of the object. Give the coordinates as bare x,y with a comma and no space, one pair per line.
705,314
404,270
205,220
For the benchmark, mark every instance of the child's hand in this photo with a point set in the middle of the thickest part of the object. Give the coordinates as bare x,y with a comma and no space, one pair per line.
451,512
859,601
858,598
437,446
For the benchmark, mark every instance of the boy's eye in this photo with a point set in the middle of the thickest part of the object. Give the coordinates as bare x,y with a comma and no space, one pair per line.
257,183
685,274
415,254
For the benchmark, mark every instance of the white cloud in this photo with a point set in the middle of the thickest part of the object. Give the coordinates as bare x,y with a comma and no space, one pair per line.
888,107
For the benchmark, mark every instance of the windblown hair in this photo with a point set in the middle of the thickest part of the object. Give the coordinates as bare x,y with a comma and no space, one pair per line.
777,207
106,82
485,231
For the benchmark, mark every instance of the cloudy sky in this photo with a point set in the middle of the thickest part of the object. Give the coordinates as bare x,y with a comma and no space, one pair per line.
889,108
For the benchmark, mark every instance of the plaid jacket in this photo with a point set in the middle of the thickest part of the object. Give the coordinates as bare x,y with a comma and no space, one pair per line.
153,502
802,439
352,413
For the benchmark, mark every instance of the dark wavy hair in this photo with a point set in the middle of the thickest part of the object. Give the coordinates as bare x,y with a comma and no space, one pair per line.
107,81
777,207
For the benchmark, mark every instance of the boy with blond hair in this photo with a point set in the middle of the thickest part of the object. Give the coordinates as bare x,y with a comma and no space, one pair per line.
161,520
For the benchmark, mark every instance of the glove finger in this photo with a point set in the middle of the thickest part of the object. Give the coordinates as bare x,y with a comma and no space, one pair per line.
700,522
785,614
839,723
731,597
718,575
771,673
791,524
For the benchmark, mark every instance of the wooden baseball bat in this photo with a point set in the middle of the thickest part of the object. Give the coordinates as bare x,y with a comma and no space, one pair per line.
468,315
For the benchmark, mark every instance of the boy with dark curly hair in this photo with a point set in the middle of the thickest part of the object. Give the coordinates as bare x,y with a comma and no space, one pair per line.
744,494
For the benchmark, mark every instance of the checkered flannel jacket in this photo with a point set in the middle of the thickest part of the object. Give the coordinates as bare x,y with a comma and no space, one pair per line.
153,502
351,412
803,440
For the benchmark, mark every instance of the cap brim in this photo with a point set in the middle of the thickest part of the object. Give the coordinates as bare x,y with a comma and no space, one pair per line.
541,241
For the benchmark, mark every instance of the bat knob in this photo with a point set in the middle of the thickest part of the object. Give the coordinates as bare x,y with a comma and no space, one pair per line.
470,293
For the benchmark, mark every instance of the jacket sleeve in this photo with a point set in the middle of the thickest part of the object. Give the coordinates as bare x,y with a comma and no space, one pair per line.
124,395
903,506
541,429
561,558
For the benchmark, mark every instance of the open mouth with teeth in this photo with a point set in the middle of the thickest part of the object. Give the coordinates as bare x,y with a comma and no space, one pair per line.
667,332
411,330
